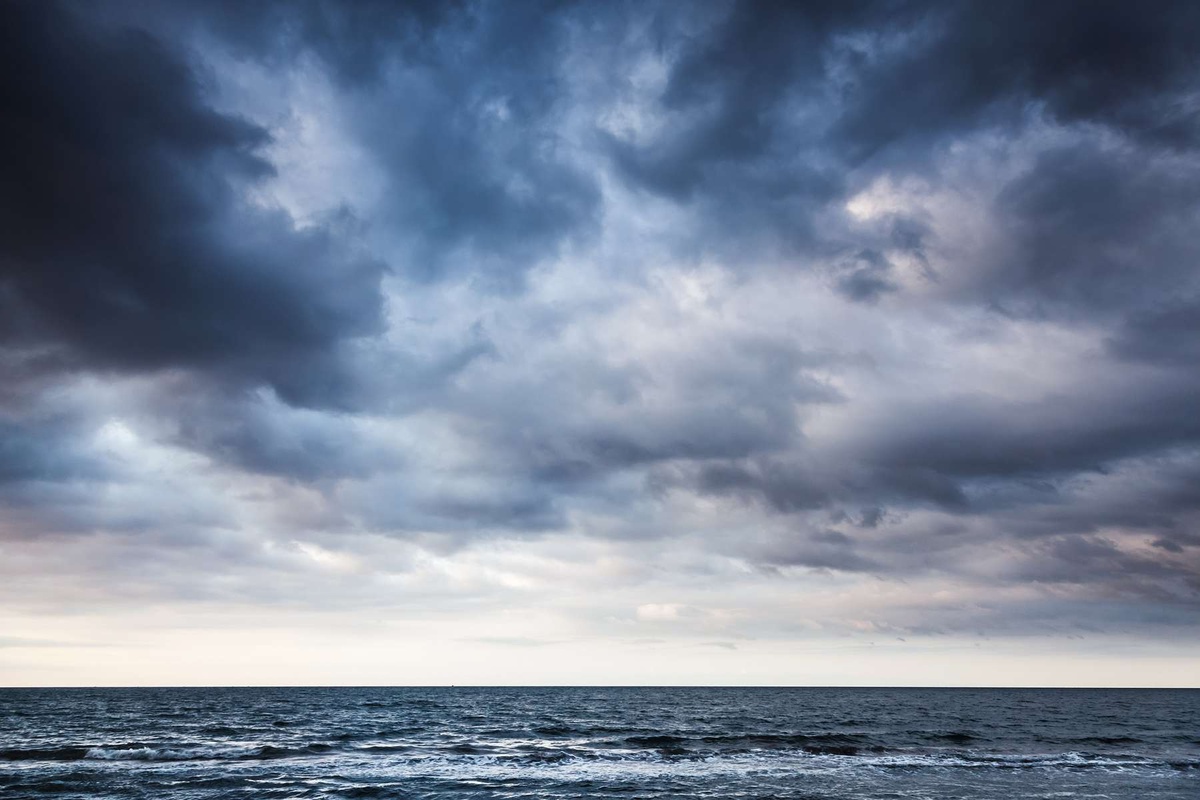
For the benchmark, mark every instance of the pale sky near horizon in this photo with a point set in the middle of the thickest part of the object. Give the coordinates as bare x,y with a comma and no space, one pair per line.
399,343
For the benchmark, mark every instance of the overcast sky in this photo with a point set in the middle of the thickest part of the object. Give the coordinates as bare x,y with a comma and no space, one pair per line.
611,342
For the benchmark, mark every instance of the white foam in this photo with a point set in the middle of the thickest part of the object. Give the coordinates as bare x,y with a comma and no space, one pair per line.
196,753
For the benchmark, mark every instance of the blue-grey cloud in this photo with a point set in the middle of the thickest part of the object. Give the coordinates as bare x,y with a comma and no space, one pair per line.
128,243
896,291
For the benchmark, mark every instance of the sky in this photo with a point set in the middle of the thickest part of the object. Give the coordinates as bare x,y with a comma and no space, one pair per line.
830,343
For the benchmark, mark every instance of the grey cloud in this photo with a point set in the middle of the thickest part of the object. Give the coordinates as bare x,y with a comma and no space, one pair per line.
1168,335
262,435
356,43
1105,230
867,277
128,243
457,505
726,102
268,432
773,112
46,448
979,63
953,451
505,137
460,105
1094,559
824,549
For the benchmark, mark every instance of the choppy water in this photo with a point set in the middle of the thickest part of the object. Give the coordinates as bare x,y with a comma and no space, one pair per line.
590,742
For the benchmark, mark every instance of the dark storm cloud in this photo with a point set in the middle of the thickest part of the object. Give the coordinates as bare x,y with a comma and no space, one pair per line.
920,71
1100,231
356,42
866,277
503,136
743,398
775,109
821,550
973,455
482,174
734,138
962,438
259,434
1108,63
1169,334
725,99
460,104
126,242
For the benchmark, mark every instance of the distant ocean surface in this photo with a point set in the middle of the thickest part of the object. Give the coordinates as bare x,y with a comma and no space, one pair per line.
590,742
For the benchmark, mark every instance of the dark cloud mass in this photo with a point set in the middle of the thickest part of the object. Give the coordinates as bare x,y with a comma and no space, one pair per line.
126,242
886,291
978,64
458,103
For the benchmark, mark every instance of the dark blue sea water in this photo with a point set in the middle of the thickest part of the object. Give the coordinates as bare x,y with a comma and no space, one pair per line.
591,742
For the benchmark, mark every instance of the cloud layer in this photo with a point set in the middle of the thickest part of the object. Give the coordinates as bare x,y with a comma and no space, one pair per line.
738,322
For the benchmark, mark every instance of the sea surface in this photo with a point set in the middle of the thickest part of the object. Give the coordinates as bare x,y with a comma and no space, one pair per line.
599,742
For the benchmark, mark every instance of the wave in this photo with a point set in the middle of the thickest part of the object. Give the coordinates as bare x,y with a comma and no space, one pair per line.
137,751
794,750
168,752
1009,761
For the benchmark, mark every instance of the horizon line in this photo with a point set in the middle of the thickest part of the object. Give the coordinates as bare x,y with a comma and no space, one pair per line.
602,686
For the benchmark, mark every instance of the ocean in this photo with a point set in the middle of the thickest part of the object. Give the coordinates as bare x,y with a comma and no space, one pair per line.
810,744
